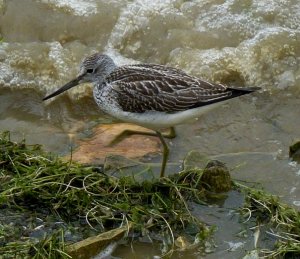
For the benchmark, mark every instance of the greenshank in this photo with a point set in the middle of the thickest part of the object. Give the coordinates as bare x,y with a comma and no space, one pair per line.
150,95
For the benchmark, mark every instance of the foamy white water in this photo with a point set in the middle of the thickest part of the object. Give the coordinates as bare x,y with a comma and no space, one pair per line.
248,42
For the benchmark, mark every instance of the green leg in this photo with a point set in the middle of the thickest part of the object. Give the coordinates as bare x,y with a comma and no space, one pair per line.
165,154
170,135
126,133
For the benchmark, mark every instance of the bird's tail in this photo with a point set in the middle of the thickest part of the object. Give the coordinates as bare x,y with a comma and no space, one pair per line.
233,92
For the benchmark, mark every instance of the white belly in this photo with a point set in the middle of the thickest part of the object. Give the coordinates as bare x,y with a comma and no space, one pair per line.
151,119
157,120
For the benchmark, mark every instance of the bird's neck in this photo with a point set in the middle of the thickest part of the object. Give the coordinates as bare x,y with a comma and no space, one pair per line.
104,74
107,66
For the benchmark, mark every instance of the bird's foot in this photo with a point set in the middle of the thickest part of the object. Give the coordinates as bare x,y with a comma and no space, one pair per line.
127,133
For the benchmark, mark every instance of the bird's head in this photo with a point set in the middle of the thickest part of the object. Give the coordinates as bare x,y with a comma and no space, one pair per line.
93,68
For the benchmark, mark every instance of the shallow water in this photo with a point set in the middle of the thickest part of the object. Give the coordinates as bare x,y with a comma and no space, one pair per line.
242,43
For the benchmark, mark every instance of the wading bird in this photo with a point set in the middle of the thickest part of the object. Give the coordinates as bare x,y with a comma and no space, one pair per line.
150,95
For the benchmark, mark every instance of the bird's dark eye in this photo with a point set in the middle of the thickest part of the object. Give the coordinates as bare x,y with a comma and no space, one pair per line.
90,70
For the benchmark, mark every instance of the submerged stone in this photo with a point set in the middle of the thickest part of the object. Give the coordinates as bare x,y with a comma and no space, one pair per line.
295,151
95,149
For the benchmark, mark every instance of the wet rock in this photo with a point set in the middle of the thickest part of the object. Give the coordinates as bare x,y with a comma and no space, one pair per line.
216,177
295,151
94,150
92,246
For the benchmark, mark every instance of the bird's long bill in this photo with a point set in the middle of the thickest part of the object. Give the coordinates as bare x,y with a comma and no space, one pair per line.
64,88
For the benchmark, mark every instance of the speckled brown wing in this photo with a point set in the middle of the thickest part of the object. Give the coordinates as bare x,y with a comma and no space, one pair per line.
149,87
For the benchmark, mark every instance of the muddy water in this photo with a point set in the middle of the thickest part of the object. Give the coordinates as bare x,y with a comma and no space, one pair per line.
242,43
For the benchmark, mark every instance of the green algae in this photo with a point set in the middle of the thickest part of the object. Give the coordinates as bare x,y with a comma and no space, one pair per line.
36,182
33,180
279,221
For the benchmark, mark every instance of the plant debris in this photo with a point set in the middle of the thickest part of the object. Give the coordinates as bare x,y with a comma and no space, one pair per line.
32,180
279,221
48,204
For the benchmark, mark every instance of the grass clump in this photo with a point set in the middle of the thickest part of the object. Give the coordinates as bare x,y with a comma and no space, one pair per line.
51,246
35,181
280,221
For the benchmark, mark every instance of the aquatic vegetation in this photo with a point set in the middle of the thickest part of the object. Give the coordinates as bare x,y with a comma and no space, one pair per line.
280,222
33,180
87,202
